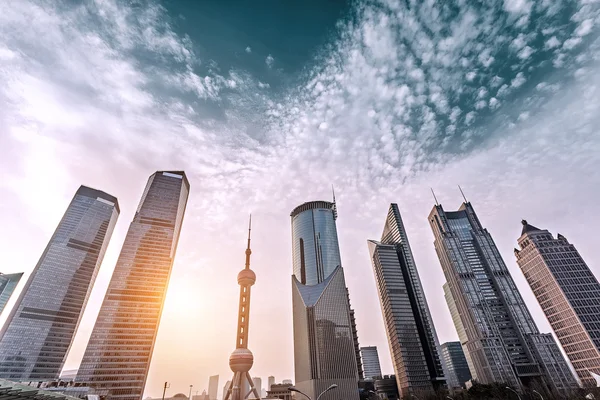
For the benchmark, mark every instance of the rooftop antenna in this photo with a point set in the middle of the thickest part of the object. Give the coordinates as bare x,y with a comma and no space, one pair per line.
248,251
435,198
334,205
463,195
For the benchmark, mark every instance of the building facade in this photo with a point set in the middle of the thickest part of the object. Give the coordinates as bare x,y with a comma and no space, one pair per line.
8,284
568,293
498,327
38,333
119,351
370,362
270,382
280,391
457,369
324,342
213,387
411,335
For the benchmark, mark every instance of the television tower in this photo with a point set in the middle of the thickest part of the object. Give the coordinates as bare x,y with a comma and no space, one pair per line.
241,359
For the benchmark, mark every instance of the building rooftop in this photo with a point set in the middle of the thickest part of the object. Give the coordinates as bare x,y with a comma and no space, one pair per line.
14,391
528,228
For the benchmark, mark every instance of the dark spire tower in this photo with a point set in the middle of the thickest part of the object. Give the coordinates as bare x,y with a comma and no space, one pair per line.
241,359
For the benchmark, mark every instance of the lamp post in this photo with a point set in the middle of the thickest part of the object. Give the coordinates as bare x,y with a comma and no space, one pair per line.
190,398
514,391
167,385
293,389
538,393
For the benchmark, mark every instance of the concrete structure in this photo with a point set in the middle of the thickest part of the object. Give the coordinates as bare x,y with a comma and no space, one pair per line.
411,335
119,351
500,337
8,284
287,382
241,359
456,366
280,391
38,333
213,387
387,388
324,341
226,388
568,293
370,361
258,384
68,375
271,381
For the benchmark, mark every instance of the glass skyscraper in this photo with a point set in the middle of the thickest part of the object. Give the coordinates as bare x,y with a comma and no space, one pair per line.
324,342
40,328
118,355
370,361
501,340
568,293
457,368
411,335
8,284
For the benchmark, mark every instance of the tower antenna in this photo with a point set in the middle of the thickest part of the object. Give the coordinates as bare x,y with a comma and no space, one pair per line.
248,251
334,204
435,198
463,195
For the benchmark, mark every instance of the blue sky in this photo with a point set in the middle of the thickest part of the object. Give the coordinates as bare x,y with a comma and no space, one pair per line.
267,105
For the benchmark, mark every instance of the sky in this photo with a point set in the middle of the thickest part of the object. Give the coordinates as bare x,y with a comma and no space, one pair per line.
266,105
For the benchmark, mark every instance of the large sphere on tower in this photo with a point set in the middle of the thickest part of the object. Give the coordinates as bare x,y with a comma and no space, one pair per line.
246,277
241,360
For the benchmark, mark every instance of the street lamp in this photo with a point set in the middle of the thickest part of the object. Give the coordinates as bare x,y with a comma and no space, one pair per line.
538,393
293,389
190,398
514,391
167,385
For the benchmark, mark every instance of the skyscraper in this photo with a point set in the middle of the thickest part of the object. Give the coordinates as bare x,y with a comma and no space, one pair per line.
271,382
8,283
226,388
502,340
324,343
40,328
411,335
370,361
568,293
258,384
213,387
118,355
457,368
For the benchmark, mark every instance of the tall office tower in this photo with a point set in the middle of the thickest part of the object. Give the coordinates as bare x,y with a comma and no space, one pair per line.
258,384
370,361
213,387
324,351
569,294
501,337
457,369
118,354
460,329
411,335
359,364
8,283
38,333
271,382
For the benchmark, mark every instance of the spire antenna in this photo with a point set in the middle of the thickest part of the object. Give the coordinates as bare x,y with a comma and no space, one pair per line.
463,195
435,198
334,204
248,251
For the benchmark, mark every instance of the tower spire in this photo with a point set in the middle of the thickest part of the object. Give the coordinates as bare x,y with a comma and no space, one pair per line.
248,251
435,198
463,195
334,204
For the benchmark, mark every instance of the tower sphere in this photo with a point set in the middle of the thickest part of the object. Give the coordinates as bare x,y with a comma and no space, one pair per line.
246,277
241,360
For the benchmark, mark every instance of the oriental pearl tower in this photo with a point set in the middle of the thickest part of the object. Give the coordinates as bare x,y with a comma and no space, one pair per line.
241,359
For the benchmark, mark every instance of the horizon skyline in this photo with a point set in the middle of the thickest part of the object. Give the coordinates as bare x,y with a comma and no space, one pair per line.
265,106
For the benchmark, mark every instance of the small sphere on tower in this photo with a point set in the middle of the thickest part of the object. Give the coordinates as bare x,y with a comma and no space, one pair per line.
241,360
246,277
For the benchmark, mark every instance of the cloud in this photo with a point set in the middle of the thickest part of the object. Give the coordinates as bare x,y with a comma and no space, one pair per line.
269,61
248,49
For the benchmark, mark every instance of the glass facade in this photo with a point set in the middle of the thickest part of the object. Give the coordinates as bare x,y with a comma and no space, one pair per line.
40,328
411,334
568,293
118,355
8,283
497,324
324,335
370,360
457,368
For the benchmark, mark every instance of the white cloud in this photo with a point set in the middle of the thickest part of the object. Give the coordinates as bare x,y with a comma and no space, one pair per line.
518,6
552,43
518,81
248,49
585,27
569,44
269,61
525,52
